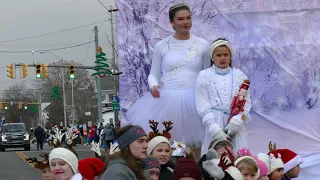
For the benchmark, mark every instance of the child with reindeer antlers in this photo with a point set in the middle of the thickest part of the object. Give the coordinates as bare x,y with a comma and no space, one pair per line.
42,165
276,164
64,161
159,147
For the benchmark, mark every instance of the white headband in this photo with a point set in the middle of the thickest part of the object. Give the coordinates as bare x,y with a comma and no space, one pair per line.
219,43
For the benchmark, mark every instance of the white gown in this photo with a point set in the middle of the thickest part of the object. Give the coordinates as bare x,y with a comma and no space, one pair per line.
214,94
175,67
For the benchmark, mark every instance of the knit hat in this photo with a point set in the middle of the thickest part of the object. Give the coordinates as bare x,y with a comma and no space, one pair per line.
89,168
186,168
262,167
217,141
275,161
131,135
151,162
289,158
155,141
219,42
266,160
66,155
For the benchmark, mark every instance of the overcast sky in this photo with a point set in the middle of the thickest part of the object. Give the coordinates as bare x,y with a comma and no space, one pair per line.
21,19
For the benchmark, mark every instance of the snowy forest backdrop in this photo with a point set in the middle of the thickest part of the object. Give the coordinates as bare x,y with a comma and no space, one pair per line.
276,43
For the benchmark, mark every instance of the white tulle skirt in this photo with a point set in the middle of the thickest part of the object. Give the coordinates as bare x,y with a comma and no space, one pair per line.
175,105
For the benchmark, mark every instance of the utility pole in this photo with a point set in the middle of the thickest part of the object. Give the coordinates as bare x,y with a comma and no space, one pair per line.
40,109
98,78
114,64
72,102
64,100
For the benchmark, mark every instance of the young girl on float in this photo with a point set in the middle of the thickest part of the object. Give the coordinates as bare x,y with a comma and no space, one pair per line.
159,147
222,98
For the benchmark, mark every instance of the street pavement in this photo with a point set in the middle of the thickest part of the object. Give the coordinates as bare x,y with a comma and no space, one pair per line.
14,167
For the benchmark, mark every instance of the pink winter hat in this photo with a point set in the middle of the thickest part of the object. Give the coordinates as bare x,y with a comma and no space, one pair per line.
262,166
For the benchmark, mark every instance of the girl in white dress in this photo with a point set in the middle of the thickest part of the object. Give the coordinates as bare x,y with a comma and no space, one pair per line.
176,63
216,87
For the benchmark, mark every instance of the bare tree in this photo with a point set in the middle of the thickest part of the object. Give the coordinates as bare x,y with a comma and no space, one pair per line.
18,93
82,84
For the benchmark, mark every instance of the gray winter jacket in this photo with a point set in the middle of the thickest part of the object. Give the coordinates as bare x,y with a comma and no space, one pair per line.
108,133
117,169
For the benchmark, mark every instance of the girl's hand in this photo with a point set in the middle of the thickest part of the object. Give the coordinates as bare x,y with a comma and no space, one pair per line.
155,92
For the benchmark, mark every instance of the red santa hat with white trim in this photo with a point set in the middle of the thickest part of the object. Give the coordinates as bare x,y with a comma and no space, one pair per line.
290,159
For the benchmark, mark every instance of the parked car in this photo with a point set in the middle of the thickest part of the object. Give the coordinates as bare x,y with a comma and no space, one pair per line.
14,135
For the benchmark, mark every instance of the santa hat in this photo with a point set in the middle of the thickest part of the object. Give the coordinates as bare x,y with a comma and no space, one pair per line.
89,168
290,159
275,161
186,168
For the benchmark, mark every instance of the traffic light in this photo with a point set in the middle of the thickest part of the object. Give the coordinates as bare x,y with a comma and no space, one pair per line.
25,105
44,70
24,70
19,105
5,105
71,72
38,71
10,71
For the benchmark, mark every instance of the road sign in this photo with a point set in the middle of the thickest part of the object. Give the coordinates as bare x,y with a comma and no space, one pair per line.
115,106
115,103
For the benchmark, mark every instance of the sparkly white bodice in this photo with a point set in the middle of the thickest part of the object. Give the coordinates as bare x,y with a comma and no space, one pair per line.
177,63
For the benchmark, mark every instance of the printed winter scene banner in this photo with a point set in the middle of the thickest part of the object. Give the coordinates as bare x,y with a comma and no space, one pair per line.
276,43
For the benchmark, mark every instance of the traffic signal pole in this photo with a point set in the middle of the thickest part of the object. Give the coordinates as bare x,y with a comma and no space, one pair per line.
115,66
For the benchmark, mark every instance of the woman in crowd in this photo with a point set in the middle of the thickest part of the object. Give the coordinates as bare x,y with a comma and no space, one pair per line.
176,63
127,164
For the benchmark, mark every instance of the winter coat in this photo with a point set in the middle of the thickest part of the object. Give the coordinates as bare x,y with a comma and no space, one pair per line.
166,172
92,133
39,132
285,178
108,133
118,169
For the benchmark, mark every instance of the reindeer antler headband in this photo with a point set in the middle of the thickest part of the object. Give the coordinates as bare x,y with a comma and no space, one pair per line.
155,131
39,164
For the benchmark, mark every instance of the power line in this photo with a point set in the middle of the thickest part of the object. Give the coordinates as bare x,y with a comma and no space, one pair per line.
87,48
46,34
44,50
